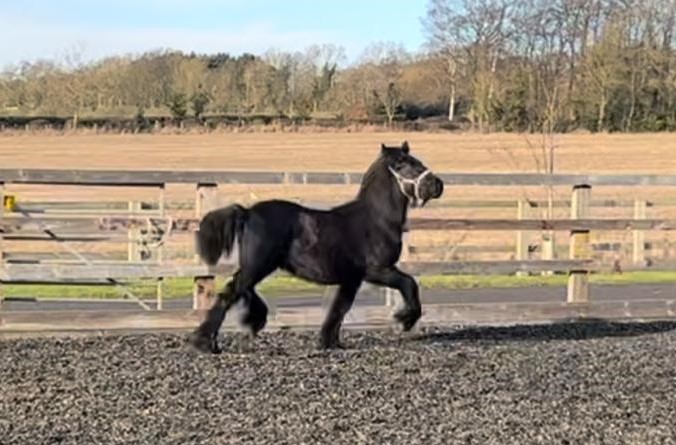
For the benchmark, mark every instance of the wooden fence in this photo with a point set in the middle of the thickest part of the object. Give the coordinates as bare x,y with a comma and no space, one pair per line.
24,222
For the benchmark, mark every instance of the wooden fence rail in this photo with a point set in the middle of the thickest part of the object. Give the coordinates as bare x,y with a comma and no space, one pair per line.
11,224
155,178
116,224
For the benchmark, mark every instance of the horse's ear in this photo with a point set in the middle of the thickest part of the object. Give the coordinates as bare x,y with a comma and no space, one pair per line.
405,148
383,149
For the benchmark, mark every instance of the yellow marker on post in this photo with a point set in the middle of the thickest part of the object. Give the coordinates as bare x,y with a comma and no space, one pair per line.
9,202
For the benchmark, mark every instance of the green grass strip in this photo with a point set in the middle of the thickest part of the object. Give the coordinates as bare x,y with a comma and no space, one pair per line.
286,285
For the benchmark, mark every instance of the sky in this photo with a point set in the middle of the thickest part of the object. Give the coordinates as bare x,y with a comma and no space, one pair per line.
50,29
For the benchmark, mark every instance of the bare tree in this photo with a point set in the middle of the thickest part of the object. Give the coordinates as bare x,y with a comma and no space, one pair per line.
471,36
445,39
382,68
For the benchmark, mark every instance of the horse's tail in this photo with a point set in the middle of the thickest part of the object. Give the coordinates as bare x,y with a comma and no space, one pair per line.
218,230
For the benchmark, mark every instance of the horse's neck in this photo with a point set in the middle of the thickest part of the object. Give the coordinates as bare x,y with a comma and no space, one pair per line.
385,205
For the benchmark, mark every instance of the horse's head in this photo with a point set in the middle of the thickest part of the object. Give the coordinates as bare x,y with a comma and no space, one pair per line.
416,182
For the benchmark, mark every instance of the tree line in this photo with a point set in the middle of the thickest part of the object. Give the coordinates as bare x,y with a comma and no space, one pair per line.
493,65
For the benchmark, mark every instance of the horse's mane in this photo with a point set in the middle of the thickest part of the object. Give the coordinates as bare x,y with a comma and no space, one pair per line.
375,173
378,191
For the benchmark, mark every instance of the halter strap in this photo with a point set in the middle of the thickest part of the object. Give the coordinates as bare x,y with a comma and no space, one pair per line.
402,181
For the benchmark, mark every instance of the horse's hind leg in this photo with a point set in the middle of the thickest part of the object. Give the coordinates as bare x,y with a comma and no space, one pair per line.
204,338
341,304
258,258
256,315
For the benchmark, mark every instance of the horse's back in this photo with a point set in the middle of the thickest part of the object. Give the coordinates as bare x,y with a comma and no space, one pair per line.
315,244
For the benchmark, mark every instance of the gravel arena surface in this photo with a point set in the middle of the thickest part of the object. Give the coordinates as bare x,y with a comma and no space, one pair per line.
569,383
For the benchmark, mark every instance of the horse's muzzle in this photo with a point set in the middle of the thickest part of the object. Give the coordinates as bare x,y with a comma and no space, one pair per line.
431,188
437,188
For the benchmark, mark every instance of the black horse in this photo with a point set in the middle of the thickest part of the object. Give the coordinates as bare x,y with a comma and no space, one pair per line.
358,241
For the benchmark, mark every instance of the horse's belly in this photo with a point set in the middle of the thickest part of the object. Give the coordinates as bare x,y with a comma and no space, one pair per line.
323,262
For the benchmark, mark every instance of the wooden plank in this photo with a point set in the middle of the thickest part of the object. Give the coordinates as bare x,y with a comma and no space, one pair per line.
66,238
460,250
14,224
36,206
316,178
85,216
102,283
529,312
152,178
53,272
534,179
107,208
471,204
474,249
540,224
69,272
511,204
16,322
158,177
490,267
45,257
89,213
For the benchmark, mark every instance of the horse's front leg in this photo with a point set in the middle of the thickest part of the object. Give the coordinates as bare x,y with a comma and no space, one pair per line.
341,304
394,278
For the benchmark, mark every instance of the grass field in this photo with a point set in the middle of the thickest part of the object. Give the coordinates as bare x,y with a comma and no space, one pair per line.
443,152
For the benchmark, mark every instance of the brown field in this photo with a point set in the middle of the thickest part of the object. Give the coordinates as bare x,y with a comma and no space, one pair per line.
639,153
575,153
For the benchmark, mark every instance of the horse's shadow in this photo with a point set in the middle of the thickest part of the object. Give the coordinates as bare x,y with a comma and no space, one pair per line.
565,330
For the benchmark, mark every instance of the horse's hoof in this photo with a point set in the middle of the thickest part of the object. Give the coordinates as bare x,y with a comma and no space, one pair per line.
200,342
255,330
329,344
254,326
407,319
257,325
214,348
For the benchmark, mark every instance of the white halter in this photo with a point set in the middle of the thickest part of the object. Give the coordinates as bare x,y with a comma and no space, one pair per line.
416,200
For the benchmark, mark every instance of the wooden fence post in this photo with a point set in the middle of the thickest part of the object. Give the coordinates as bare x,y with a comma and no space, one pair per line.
2,252
133,235
159,251
205,200
580,247
204,286
204,290
638,251
548,248
521,239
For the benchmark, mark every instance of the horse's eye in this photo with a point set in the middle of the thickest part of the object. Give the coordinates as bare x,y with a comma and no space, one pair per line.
400,162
